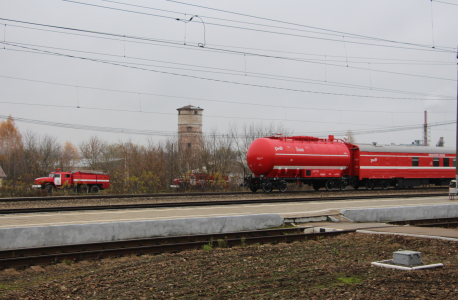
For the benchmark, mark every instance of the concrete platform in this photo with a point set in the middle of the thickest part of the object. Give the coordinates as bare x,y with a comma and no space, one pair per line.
40,236
387,214
383,228
286,210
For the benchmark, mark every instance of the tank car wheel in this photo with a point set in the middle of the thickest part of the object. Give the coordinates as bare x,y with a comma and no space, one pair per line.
316,186
253,189
95,189
329,185
283,186
343,185
384,185
356,186
267,187
369,185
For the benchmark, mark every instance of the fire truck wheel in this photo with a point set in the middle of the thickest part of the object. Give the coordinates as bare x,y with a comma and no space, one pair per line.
84,189
49,189
95,189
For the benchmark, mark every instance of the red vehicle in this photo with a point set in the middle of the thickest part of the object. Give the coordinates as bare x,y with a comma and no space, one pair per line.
80,181
201,181
333,163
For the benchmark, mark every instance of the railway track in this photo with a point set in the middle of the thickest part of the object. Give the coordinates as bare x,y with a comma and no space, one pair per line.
205,203
179,195
439,222
20,258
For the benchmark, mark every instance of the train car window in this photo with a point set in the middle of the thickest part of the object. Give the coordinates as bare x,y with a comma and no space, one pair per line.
308,172
446,162
454,162
414,161
436,162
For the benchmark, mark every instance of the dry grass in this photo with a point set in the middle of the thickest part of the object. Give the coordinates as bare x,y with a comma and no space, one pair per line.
336,268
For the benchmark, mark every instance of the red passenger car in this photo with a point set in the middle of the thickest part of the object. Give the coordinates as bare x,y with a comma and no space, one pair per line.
334,163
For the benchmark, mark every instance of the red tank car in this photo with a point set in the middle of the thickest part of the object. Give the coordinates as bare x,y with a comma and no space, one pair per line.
334,163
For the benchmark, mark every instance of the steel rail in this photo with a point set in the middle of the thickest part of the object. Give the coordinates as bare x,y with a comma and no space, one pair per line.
203,203
20,258
160,195
426,222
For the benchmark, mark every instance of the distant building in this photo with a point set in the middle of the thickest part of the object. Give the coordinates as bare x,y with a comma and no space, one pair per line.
190,127
2,175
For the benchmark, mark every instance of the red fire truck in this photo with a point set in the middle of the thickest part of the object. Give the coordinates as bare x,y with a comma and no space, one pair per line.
201,181
79,181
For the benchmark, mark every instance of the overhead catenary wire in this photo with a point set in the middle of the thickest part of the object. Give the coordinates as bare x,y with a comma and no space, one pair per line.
238,72
211,79
395,61
422,47
211,100
321,29
227,51
238,135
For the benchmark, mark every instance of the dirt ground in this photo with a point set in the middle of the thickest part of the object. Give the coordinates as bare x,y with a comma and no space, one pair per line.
335,268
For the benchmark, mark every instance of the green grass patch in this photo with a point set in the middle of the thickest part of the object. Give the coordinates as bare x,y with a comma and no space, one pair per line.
349,280
8,287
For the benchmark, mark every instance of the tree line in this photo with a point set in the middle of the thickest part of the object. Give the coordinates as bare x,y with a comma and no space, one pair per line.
134,168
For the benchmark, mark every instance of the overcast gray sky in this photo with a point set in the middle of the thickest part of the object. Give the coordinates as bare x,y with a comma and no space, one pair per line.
318,67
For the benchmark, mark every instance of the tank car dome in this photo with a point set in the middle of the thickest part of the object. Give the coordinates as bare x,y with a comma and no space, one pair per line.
260,156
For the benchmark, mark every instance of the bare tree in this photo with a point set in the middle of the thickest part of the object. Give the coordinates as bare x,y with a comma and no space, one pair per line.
92,150
49,150
68,157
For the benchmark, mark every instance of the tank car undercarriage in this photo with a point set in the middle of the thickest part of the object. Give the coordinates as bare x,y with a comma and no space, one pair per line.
268,184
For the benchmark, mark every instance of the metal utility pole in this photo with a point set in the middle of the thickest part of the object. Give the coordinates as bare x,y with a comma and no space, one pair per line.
456,117
425,130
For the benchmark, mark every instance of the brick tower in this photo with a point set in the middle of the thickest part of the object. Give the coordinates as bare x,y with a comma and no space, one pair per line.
190,127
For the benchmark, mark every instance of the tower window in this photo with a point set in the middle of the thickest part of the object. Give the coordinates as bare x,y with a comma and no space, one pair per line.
189,128
189,145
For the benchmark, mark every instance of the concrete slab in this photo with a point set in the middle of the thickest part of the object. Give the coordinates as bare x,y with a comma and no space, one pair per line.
387,214
39,236
383,228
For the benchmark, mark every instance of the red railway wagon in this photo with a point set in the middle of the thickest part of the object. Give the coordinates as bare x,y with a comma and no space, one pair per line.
333,163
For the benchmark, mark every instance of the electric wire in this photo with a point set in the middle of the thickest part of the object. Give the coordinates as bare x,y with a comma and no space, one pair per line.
228,51
170,133
403,61
422,47
214,100
236,72
291,23
212,79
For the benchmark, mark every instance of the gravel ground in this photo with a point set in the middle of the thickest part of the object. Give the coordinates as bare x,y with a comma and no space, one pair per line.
335,268
259,195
